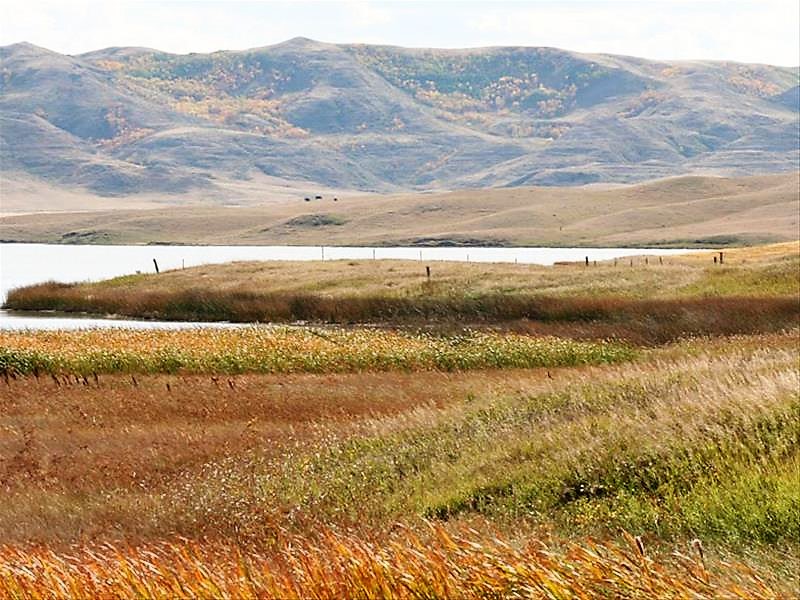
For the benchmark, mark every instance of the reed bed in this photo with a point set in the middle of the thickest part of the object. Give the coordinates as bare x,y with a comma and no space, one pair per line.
287,350
655,319
436,564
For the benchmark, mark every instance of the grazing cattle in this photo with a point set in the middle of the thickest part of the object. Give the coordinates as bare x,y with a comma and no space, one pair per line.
317,197
308,199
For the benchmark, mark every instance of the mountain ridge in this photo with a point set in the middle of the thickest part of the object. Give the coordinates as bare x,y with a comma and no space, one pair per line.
126,121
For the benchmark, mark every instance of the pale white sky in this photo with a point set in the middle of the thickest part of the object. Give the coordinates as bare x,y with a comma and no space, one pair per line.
742,30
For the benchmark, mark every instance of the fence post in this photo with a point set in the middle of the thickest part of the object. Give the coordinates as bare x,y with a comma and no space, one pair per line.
720,258
156,265
428,272
587,261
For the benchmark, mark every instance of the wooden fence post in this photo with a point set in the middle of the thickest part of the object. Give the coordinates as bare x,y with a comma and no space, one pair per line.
156,265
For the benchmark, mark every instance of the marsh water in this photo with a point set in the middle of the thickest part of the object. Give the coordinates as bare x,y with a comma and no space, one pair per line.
25,264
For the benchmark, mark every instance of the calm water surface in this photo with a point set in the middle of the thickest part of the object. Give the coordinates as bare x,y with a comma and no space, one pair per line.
24,264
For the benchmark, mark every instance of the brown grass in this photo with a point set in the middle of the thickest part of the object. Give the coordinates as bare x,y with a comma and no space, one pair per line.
314,485
135,435
109,458
638,321
756,290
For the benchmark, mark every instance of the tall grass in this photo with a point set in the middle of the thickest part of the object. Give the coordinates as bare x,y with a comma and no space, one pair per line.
322,484
282,350
668,317
687,453
439,564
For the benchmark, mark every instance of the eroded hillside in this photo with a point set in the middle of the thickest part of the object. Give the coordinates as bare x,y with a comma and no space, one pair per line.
132,120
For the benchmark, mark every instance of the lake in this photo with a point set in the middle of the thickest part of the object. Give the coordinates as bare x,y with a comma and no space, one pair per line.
25,264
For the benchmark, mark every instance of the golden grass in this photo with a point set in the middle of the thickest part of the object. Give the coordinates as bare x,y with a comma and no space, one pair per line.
285,350
367,278
438,564
319,485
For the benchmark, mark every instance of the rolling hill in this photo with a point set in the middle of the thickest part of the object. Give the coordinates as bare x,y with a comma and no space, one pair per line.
679,212
242,127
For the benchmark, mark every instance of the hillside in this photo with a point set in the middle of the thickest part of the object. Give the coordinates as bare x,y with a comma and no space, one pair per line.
236,127
679,211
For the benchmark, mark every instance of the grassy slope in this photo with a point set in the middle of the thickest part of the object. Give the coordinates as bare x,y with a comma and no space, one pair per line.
679,212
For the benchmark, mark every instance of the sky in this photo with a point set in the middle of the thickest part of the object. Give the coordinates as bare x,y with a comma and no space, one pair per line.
764,31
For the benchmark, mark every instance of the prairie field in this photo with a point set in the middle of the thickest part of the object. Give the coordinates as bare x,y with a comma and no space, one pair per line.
676,212
419,462
141,483
642,299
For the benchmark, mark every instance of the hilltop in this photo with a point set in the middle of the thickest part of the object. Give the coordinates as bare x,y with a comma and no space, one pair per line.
304,116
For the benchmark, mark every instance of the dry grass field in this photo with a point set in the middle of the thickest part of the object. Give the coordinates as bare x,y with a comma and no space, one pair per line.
305,475
640,300
646,448
443,564
678,212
